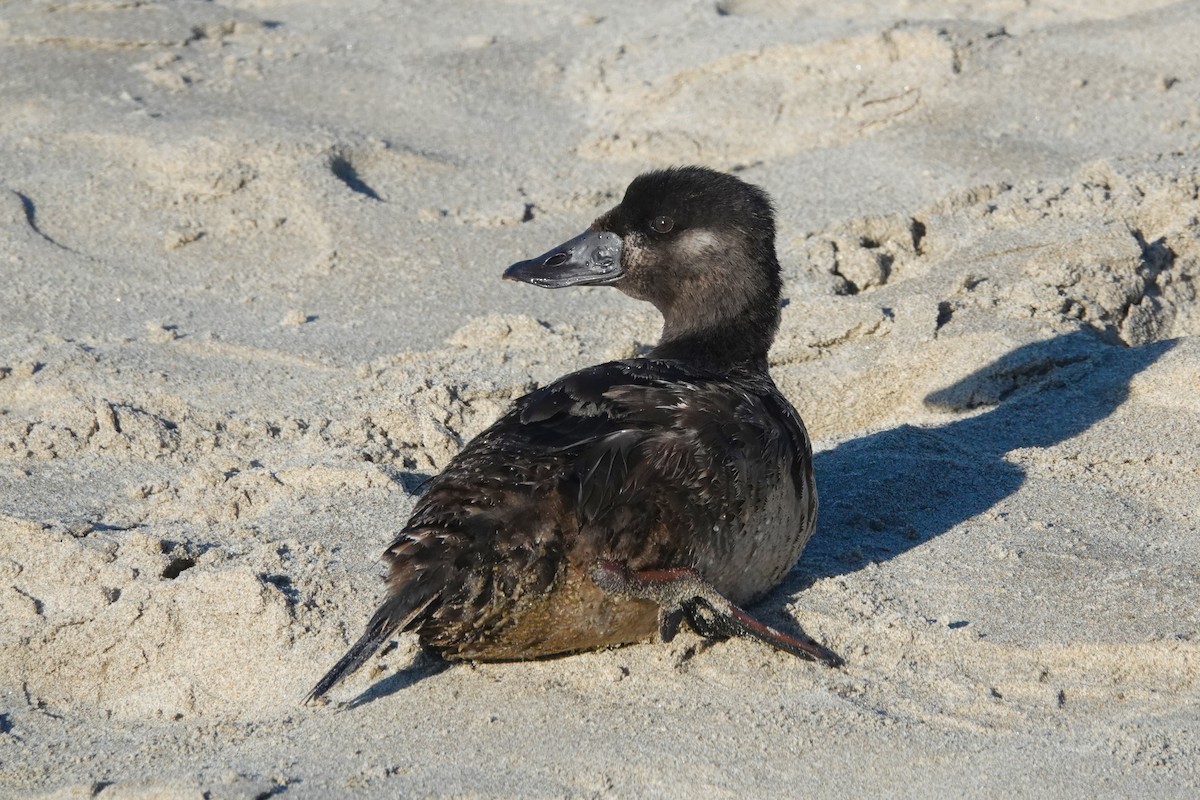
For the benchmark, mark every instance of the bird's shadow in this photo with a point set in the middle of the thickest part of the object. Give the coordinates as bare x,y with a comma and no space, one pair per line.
426,664
885,493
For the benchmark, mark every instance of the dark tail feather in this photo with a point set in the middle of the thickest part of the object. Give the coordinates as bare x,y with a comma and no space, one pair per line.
395,614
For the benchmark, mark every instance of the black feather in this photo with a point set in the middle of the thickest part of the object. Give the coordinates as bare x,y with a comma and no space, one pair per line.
396,613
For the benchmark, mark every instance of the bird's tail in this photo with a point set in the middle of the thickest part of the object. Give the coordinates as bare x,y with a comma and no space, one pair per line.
396,614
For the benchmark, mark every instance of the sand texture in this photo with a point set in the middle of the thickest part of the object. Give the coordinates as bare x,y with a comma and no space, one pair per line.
250,299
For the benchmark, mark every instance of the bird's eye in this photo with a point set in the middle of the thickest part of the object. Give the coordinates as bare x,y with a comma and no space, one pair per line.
662,224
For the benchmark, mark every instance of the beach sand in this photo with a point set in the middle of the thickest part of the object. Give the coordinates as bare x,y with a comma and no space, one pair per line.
250,256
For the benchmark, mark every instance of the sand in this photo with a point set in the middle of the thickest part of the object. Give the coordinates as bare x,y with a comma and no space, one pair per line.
250,256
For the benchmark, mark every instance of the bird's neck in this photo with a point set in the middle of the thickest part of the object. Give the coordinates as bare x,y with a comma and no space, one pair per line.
722,339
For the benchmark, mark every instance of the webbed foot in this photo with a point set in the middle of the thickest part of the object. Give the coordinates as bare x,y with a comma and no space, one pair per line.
682,593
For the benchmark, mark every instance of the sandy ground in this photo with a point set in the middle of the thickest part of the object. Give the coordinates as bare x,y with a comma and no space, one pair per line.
250,298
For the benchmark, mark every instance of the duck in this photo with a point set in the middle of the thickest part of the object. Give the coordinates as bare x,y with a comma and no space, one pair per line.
622,500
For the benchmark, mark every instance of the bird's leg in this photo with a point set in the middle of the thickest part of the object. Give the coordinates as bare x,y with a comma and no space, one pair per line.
668,622
682,592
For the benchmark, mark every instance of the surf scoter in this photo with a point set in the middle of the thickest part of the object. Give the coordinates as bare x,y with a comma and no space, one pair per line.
624,498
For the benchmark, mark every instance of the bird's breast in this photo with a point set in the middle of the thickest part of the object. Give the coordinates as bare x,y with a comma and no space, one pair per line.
750,552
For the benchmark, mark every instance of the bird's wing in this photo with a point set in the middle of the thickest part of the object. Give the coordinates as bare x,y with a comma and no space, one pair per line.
654,446
602,463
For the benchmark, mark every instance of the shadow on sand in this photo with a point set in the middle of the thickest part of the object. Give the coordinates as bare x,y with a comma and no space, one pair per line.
886,493
424,665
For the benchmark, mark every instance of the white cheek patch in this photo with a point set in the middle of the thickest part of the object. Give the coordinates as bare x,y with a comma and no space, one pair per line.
696,242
